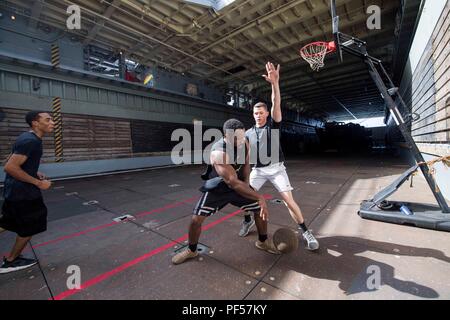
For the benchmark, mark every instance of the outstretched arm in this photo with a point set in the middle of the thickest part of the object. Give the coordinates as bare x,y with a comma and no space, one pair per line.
273,77
226,171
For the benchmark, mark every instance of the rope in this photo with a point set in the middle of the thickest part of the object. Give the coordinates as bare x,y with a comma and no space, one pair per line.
445,160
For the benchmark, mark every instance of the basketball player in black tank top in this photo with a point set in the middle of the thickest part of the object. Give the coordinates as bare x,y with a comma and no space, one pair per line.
228,184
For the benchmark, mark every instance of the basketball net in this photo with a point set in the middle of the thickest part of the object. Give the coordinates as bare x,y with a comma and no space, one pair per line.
314,53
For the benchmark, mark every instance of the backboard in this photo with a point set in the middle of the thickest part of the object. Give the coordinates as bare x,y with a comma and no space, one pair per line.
335,24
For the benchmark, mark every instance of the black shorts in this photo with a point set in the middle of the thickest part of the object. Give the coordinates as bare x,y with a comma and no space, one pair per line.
26,218
211,202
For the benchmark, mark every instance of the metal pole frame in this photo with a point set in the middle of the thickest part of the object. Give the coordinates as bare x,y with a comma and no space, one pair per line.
360,51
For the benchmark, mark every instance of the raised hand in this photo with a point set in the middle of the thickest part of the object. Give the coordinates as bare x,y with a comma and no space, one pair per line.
273,74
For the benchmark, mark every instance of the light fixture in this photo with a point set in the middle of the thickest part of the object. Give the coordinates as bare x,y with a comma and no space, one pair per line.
213,12
13,17
195,24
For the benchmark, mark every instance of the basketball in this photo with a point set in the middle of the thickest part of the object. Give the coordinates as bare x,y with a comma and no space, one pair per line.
285,240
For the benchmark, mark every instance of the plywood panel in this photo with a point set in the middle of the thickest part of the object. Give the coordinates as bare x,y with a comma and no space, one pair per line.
84,137
13,124
89,137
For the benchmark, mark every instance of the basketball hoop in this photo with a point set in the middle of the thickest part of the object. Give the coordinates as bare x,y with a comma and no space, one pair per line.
314,53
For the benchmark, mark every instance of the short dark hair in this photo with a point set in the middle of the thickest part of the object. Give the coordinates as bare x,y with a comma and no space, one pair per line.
261,105
32,116
232,124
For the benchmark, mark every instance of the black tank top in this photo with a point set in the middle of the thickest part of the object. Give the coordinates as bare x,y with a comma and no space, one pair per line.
238,158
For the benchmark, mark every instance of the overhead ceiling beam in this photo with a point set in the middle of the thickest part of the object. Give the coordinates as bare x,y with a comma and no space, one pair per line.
36,11
107,14
135,34
246,27
298,62
57,18
361,34
146,11
237,19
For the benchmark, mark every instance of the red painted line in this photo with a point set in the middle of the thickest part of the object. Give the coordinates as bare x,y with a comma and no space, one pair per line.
123,267
146,256
169,206
76,234
80,233
70,236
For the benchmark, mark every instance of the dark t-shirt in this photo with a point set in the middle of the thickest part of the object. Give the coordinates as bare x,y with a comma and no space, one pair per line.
261,141
30,145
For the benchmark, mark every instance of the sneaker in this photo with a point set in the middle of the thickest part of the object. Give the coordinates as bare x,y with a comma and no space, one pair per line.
17,264
312,243
267,246
183,256
246,227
